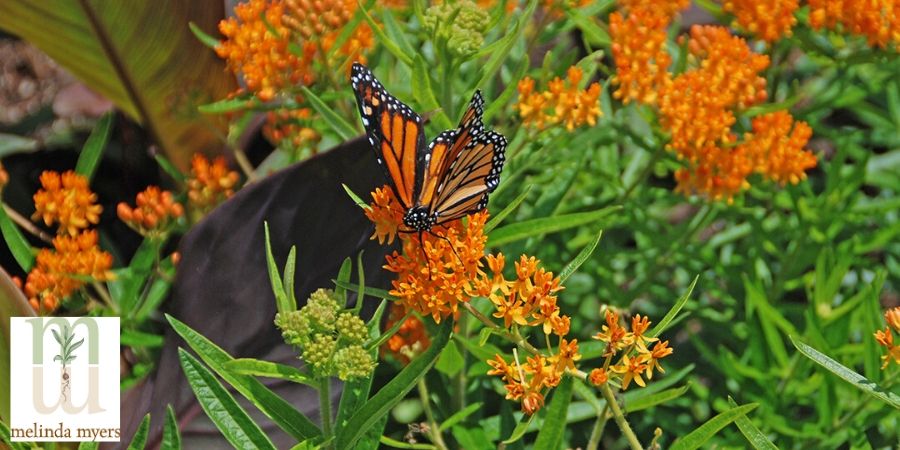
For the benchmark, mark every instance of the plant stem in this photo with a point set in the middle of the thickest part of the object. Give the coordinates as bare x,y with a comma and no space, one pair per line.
26,224
434,431
638,180
597,432
514,337
619,416
325,406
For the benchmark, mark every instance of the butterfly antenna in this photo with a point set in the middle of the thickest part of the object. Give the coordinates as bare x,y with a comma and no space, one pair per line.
449,243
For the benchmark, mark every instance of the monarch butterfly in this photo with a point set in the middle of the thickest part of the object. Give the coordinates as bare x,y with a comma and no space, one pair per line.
438,183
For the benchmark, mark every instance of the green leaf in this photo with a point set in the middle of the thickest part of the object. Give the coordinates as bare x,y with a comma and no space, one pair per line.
451,360
171,439
276,408
496,219
227,105
534,227
337,123
676,308
234,423
290,268
384,39
361,286
344,277
856,380
155,80
169,168
201,35
592,32
394,391
135,338
498,57
359,202
582,256
15,241
754,436
551,435
370,291
281,299
140,436
93,147
11,144
85,445
695,439
424,94
459,416
520,429
655,399
258,368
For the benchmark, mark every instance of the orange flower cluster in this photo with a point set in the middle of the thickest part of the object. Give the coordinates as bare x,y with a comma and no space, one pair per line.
637,358
664,7
776,147
59,272
411,338
434,275
877,20
562,102
768,20
210,184
526,383
319,24
155,212
639,51
288,126
67,200
886,337
257,45
529,300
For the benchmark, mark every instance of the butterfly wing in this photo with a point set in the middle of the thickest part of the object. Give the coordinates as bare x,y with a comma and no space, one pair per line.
448,146
395,132
473,175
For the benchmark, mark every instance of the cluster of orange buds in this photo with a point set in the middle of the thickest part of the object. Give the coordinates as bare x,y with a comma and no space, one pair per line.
66,200
886,338
209,183
562,103
288,127
257,45
411,338
154,214
4,177
878,21
769,20
59,272
636,358
319,24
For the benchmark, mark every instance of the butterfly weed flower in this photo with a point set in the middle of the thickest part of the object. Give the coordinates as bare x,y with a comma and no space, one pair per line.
562,103
639,52
877,21
885,337
66,200
411,338
329,339
257,45
210,183
459,26
777,147
60,271
385,212
769,20
154,214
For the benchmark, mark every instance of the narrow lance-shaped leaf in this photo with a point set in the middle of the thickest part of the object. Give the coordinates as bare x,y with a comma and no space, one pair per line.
695,439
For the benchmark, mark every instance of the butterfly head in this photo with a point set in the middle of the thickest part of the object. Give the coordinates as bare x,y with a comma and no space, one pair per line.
419,218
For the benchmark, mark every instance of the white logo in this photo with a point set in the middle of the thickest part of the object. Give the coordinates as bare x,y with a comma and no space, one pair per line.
64,379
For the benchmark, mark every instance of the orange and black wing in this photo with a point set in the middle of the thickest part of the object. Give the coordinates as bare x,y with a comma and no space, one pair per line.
395,132
472,175
447,147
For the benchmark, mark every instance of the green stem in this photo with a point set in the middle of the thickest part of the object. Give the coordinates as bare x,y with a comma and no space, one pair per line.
597,432
619,416
325,406
642,177
434,431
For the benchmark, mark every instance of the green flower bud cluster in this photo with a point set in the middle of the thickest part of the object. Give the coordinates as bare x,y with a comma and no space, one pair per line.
329,340
461,25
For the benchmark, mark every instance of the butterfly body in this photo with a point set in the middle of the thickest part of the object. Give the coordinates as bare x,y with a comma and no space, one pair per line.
436,183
